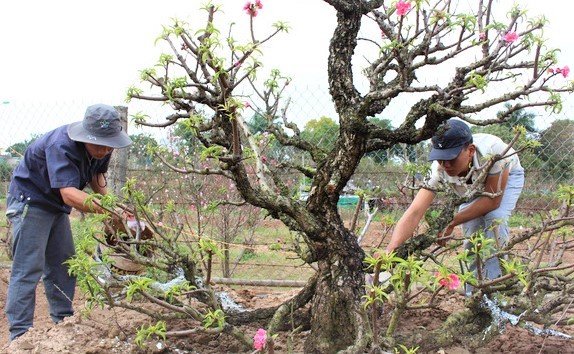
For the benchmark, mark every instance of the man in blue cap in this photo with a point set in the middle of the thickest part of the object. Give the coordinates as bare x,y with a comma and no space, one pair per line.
454,153
45,186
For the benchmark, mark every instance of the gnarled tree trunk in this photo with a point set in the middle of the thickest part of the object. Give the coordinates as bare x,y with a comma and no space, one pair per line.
336,314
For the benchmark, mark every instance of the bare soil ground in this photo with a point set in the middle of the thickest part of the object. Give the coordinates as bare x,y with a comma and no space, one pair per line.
105,331
113,331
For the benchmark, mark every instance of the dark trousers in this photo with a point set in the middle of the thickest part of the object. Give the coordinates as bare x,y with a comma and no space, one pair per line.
42,242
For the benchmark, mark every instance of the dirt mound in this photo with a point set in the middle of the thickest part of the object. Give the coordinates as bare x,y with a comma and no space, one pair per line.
105,331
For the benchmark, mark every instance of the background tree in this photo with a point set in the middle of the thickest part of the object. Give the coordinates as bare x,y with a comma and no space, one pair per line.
505,130
512,118
384,155
257,124
206,68
19,149
322,132
5,170
557,139
141,151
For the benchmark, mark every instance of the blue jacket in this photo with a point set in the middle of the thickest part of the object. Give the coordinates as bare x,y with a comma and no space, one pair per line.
52,162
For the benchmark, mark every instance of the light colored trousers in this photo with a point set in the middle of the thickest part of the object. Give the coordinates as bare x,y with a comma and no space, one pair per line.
491,267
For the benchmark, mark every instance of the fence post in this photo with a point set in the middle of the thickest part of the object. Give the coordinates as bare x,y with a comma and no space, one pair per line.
117,170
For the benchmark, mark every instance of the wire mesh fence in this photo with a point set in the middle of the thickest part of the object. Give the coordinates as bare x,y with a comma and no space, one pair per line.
546,167
271,249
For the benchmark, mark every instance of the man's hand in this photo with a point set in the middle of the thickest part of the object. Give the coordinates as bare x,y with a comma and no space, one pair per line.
117,222
445,235
123,212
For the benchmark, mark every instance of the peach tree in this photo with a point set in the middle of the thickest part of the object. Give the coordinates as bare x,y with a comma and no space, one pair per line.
486,56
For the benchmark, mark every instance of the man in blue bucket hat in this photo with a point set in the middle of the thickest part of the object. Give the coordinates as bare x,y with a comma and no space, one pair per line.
45,186
455,152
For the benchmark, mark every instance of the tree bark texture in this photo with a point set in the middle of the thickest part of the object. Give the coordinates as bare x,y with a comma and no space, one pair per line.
336,320
335,309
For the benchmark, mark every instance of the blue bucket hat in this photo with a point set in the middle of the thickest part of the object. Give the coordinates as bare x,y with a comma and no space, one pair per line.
101,126
448,143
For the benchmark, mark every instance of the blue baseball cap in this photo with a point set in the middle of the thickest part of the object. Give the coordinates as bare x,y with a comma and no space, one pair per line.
452,136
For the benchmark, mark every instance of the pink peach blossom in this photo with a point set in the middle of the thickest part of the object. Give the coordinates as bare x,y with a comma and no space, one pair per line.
565,71
259,339
510,37
403,7
252,9
451,281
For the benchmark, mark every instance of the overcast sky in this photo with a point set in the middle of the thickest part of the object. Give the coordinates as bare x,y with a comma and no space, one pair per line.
77,48
72,49
80,48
